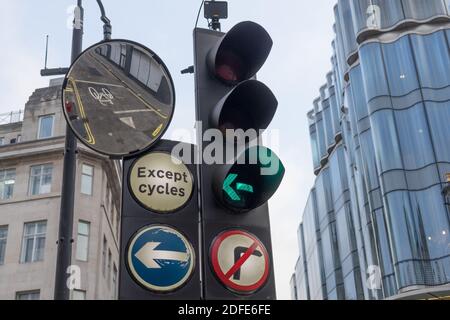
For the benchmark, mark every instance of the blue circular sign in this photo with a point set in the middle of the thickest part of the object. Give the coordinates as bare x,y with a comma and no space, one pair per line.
160,258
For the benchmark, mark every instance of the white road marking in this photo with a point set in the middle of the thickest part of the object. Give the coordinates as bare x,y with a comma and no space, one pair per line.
101,84
133,111
129,122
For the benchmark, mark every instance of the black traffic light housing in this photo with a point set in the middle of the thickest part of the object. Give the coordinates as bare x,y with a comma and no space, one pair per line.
233,193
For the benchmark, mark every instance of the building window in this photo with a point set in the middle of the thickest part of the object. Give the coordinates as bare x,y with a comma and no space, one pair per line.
77,295
19,138
2,141
109,267
3,239
46,126
104,248
28,295
87,178
7,181
83,241
33,243
41,179
115,281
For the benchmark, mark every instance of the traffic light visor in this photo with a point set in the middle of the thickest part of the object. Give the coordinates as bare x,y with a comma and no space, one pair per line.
240,54
251,105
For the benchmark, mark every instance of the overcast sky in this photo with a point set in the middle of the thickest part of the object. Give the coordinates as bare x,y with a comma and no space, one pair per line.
302,35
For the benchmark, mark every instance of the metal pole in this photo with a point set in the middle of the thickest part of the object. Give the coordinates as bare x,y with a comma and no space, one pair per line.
46,52
64,245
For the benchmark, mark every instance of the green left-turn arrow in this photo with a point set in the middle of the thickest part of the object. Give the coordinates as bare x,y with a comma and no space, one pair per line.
239,186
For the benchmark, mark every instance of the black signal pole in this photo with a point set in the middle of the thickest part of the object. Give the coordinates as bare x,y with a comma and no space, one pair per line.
64,244
64,249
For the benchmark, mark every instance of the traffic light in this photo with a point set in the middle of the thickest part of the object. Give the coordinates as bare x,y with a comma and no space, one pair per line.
232,108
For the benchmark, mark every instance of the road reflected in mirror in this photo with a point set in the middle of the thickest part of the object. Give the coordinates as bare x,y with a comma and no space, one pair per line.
118,98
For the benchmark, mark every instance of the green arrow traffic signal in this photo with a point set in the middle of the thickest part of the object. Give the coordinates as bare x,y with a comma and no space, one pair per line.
239,187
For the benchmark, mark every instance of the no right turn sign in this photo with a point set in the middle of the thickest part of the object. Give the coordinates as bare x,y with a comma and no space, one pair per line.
240,261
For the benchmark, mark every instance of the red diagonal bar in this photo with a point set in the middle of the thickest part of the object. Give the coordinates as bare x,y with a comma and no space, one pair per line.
241,260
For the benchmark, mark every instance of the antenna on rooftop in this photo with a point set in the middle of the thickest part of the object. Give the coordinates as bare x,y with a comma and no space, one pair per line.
51,72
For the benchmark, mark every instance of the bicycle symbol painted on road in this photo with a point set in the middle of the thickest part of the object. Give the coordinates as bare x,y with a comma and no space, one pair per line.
104,97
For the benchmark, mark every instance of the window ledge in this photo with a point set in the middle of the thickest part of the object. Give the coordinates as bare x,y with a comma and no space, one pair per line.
31,198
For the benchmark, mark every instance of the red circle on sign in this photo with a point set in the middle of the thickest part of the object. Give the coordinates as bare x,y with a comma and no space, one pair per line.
226,279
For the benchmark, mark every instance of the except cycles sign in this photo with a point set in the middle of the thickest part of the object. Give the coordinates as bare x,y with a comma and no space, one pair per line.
160,182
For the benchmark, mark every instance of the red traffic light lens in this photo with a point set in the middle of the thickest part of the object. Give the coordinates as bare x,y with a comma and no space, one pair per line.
230,67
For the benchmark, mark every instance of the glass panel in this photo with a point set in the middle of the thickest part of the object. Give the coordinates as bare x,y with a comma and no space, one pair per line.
324,195
3,232
370,166
321,137
391,12
335,114
346,24
433,222
386,142
384,246
439,115
78,295
432,56
3,241
46,182
7,181
83,241
30,229
372,67
83,228
82,248
144,70
35,295
35,185
28,250
400,67
359,102
337,170
423,9
45,127
350,287
156,76
86,184
402,226
88,170
40,248
41,179
360,16
343,234
33,246
135,61
315,149
328,124
414,138
41,227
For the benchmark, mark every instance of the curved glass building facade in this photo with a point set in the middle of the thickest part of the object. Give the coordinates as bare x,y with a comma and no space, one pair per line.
377,222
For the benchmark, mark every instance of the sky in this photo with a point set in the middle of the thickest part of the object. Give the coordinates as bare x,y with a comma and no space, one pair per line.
301,31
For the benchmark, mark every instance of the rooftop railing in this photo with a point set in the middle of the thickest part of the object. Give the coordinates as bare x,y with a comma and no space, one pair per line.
11,117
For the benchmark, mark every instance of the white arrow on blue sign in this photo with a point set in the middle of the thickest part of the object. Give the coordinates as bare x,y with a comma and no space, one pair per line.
160,258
